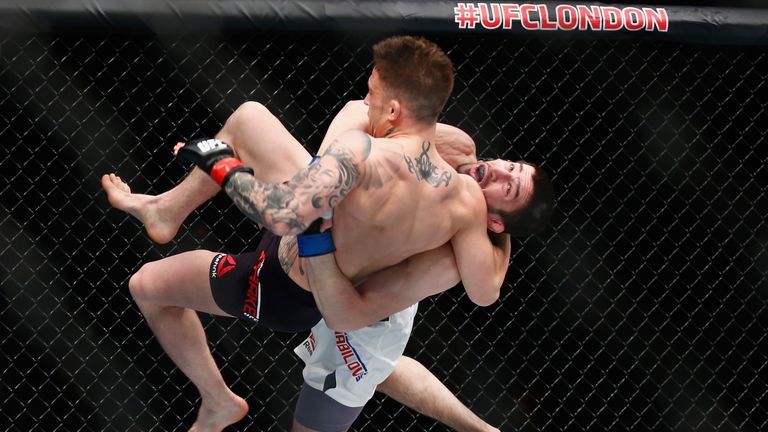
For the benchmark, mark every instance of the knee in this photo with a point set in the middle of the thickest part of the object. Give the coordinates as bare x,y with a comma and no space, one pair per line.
138,284
354,106
249,108
246,114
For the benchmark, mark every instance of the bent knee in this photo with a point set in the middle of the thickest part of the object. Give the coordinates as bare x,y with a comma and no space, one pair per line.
247,112
238,122
139,284
251,107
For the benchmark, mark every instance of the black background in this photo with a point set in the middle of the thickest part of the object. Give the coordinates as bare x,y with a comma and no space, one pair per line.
643,307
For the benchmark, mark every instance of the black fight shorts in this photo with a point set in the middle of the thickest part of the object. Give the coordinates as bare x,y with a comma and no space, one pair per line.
254,286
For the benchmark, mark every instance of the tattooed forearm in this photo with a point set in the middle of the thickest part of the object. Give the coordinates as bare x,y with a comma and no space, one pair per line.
287,253
288,208
425,170
274,206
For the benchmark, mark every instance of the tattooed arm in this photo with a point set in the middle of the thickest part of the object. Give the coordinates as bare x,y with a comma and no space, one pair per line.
288,208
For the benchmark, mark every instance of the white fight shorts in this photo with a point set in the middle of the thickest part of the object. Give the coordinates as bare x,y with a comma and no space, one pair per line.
348,366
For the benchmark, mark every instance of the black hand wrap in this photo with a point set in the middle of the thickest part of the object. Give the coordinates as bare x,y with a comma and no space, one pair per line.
213,156
312,242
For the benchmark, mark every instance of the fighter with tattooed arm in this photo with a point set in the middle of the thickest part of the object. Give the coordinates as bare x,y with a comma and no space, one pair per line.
519,199
387,191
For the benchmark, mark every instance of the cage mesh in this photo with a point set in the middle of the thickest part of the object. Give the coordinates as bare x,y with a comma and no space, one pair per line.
643,306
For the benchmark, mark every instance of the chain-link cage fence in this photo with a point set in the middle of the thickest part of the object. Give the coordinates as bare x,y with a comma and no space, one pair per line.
643,306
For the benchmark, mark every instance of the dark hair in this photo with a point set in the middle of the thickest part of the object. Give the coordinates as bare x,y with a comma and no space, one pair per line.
536,214
416,71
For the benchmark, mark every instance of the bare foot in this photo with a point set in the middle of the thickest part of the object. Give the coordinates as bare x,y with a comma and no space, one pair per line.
214,416
145,208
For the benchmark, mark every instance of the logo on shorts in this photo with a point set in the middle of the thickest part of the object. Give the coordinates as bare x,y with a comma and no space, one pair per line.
309,344
252,302
226,264
353,361
221,264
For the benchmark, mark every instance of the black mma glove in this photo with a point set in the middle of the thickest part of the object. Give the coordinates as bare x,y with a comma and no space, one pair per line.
213,156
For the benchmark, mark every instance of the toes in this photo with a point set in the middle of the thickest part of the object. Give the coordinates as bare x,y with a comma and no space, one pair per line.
112,183
106,182
123,185
125,188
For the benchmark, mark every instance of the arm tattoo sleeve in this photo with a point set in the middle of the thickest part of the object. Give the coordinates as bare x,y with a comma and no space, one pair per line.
287,253
288,208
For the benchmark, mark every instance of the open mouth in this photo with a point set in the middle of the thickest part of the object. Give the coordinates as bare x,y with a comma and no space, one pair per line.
479,173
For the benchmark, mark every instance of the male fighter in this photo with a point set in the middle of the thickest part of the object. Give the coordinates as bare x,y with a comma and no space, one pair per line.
369,175
410,383
152,290
502,181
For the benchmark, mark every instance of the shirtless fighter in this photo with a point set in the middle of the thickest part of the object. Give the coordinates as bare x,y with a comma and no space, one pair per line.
156,286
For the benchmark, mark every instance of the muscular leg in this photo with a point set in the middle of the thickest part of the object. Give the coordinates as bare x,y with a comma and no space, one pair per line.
261,142
168,292
414,386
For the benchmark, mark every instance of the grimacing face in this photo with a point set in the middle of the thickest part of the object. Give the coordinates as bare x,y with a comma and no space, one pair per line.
506,185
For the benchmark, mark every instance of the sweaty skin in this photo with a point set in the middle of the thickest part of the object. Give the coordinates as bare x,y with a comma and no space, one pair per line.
400,178
371,183
396,192
346,308
168,291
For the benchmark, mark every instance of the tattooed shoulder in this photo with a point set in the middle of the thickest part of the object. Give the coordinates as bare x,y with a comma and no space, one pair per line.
352,144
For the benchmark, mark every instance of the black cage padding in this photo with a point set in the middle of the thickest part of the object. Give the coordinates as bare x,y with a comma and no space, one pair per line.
681,23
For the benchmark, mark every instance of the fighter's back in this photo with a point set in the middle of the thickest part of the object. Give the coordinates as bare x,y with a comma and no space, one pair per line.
407,203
